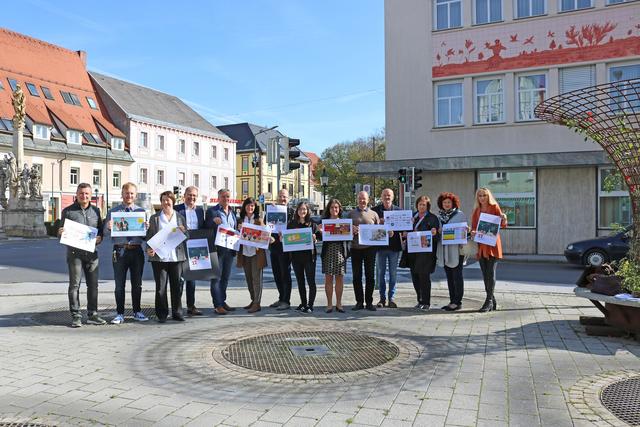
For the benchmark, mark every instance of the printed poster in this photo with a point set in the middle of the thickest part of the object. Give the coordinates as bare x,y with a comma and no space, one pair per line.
454,234
227,238
337,230
373,235
419,241
488,228
166,240
79,236
198,254
258,236
128,224
207,273
297,239
398,220
277,217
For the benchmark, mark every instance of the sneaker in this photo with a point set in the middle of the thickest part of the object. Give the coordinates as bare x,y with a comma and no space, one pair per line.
300,308
418,306
381,303
284,306
76,322
96,320
424,307
140,317
118,319
371,307
275,304
307,310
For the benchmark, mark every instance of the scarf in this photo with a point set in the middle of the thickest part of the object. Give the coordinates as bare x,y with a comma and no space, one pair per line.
445,216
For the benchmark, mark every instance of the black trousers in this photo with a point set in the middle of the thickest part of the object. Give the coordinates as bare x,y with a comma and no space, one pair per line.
190,289
488,268
366,256
281,267
422,266
455,282
170,272
131,260
309,269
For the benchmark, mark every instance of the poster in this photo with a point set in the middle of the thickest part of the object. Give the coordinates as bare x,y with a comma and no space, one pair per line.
337,230
398,220
373,235
198,254
166,240
228,238
257,236
205,274
277,217
297,239
454,234
79,236
419,241
488,228
128,224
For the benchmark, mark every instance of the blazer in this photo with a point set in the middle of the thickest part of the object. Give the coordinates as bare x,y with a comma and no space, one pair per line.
425,260
154,227
182,210
449,255
486,251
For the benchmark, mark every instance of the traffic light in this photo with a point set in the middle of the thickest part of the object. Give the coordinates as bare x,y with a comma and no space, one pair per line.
291,153
176,191
402,175
415,179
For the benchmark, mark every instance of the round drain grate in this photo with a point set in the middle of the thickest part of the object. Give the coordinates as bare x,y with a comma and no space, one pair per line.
622,398
310,352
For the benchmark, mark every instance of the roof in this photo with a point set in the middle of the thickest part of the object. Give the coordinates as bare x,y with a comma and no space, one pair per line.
252,137
29,60
146,104
313,159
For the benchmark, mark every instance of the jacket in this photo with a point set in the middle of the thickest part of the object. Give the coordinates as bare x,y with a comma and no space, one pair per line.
486,251
182,210
89,216
449,255
154,227
425,260
230,221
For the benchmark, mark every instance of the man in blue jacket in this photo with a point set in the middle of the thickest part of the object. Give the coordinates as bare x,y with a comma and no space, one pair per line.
195,221
390,253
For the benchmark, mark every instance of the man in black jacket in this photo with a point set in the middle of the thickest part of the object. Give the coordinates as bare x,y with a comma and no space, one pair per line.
390,253
281,261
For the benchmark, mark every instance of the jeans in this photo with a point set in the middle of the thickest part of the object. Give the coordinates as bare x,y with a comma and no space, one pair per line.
381,269
455,282
218,287
308,269
368,257
164,272
281,267
488,268
77,266
131,260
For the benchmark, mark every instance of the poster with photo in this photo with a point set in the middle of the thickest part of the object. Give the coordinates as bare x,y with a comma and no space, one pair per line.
166,240
454,234
401,220
128,224
337,230
419,241
488,229
79,236
257,236
198,254
373,235
213,272
297,239
227,238
276,217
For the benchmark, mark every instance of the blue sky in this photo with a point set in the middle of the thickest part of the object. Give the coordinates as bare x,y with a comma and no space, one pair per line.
313,67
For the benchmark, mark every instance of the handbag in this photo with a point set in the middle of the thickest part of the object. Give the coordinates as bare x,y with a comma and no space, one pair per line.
470,249
607,285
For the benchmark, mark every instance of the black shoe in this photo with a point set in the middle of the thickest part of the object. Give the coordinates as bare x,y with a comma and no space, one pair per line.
487,306
495,304
447,307
458,307
178,317
381,303
357,307
300,307
162,320
340,310
371,307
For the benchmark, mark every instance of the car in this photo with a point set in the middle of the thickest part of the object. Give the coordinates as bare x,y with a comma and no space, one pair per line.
599,250
316,219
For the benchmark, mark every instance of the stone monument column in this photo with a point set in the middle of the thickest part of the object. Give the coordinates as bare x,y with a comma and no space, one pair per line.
19,107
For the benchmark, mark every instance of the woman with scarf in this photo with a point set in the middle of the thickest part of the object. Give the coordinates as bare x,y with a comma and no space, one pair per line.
450,256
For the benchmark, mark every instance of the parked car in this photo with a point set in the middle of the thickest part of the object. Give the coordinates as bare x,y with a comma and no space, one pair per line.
597,251
316,219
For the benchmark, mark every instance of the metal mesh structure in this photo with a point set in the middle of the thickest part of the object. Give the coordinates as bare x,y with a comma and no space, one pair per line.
609,114
623,400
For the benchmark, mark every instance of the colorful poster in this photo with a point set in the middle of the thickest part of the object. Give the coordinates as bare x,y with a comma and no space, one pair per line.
277,217
227,238
297,239
257,236
398,220
128,224
79,236
166,240
419,241
373,235
488,229
454,234
198,254
337,230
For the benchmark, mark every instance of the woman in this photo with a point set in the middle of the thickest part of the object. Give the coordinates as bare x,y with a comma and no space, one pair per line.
252,260
488,256
449,256
422,264
304,262
334,260
168,268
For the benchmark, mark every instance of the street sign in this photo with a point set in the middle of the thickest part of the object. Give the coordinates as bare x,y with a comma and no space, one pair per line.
367,188
261,198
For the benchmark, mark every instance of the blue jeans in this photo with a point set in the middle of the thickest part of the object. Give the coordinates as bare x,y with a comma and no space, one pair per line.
381,269
218,287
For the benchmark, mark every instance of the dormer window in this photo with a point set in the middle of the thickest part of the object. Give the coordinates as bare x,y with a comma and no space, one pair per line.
41,132
13,83
33,90
46,92
74,137
92,103
117,144
70,98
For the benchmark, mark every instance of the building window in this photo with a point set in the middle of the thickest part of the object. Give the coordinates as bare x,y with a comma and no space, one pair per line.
527,8
226,182
74,137
245,164
226,154
97,177
488,11
182,146
196,149
74,99
181,179
33,90
617,1
625,98
614,205
448,14
214,182
13,83
196,180
143,175
270,187
116,180
160,142
515,191
41,132
74,174
245,187
302,189
70,98
144,140
301,169
117,144
449,104
46,92
160,177
92,103
214,152
489,101
575,78
567,5
291,189
531,91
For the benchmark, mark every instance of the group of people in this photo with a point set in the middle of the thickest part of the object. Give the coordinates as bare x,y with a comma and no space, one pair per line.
368,262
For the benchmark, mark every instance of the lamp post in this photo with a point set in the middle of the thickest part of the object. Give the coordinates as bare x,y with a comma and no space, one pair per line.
255,161
51,199
96,191
324,181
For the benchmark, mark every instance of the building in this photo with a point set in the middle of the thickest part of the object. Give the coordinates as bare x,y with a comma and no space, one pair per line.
68,131
262,179
462,80
315,196
171,143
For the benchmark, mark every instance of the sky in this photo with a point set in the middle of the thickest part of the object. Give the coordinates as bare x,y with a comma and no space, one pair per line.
315,68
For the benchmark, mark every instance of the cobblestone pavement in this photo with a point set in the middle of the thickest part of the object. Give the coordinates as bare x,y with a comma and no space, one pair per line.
522,365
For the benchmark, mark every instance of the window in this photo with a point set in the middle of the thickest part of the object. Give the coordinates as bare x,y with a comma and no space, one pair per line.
624,96
566,5
160,142
575,78
144,140
270,187
489,101
301,169
245,164
214,182
181,179
116,181
33,90
516,193
291,189
196,180
92,103
449,104
531,91
160,177
196,149
226,154
70,98
302,189
13,83
74,173
448,14
97,177
74,137
143,175
117,144
614,205
214,152
75,99
527,8
245,187
1,86
46,92
226,182
182,146
41,132
488,11
617,1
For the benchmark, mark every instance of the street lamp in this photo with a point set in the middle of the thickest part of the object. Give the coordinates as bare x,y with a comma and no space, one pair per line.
324,181
255,161
96,191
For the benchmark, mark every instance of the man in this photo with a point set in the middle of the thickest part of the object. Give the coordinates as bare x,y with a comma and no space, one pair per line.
195,221
390,253
221,214
362,254
281,261
80,261
127,255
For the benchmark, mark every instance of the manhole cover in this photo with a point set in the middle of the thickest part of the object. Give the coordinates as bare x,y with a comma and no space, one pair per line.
310,353
623,400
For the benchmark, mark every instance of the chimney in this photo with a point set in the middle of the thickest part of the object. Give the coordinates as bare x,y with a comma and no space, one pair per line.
83,57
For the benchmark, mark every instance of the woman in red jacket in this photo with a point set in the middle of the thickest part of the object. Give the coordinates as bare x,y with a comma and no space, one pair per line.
488,256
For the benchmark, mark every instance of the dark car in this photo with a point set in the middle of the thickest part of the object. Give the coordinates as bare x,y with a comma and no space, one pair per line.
599,250
316,219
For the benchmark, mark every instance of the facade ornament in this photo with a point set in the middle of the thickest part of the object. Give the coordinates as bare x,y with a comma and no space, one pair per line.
35,183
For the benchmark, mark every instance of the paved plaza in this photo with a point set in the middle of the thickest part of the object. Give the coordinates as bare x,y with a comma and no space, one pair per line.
530,363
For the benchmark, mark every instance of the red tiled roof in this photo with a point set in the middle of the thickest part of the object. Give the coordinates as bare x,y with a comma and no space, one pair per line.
313,157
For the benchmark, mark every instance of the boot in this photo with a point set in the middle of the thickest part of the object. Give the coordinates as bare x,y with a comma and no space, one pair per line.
254,308
487,306
495,304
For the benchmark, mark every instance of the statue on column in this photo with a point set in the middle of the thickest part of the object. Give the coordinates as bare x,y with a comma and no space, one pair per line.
19,107
12,175
35,183
24,182
3,179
